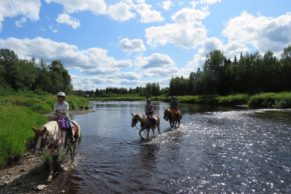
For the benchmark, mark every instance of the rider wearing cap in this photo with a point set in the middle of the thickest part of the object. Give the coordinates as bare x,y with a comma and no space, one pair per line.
61,110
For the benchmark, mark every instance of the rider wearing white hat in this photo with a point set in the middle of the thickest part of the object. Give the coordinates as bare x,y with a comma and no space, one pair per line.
61,110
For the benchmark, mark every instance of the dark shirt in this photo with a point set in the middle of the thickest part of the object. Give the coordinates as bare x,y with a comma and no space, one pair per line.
174,104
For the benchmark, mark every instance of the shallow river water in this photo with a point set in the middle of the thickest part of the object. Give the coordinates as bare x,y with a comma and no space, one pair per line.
212,151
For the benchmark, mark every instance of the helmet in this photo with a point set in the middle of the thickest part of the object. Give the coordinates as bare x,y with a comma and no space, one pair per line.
61,94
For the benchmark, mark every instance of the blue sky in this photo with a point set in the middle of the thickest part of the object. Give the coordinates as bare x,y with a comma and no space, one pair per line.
127,43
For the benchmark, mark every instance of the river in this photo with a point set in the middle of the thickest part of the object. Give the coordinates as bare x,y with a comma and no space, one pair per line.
214,150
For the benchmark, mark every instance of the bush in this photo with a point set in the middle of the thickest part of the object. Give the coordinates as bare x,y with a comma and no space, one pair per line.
233,100
271,100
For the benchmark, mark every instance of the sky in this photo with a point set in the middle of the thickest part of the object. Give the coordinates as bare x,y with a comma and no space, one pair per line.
128,43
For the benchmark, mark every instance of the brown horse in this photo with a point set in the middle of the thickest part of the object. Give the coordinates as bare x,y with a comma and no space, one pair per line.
51,139
174,116
145,124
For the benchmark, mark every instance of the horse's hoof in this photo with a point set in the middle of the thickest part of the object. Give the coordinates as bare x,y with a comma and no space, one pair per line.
49,178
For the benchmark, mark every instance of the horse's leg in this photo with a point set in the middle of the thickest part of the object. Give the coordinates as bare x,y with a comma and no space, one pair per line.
73,153
148,130
158,126
51,168
140,134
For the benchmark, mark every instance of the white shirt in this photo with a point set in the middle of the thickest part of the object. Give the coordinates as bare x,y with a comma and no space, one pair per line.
63,108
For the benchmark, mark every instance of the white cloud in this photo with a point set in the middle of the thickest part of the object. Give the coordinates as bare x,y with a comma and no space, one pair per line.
91,62
209,2
166,5
133,45
147,13
121,11
156,66
260,32
68,20
19,23
95,6
186,31
96,67
13,8
153,61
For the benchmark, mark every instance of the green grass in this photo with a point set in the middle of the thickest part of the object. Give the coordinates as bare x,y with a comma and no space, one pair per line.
271,100
15,132
233,100
41,103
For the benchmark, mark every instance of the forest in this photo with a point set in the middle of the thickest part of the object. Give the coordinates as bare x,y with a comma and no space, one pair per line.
249,74
29,75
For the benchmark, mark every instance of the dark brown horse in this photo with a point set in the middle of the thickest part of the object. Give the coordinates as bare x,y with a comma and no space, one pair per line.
145,124
174,116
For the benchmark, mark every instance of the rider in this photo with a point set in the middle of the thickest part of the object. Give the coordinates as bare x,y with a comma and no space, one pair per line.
149,110
61,109
174,103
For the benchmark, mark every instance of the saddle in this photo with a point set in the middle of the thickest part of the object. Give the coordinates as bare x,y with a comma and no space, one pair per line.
152,118
176,112
65,124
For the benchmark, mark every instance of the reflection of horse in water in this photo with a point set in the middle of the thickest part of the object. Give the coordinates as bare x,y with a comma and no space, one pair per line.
174,116
146,123
54,141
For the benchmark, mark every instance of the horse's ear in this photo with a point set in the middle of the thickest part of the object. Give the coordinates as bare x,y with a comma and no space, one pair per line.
131,114
33,129
44,129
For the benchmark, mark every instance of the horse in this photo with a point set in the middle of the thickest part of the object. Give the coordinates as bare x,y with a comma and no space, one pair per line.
174,116
54,141
145,124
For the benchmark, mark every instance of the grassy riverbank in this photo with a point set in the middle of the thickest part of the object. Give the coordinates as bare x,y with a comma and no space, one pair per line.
263,100
19,112
15,133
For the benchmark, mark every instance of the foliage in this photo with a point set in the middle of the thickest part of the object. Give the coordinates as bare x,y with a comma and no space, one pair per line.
252,73
271,100
15,132
28,75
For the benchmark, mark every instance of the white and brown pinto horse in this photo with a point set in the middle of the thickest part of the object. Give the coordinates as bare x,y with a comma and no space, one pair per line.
174,117
146,123
51,139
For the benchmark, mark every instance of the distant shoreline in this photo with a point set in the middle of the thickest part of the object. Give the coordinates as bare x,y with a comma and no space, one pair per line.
262,100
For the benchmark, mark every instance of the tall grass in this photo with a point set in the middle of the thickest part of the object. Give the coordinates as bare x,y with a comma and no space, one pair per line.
42,103
15,131
271,100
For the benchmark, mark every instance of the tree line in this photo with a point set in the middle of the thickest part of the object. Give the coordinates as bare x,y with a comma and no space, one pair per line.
251,73
21,74
151,89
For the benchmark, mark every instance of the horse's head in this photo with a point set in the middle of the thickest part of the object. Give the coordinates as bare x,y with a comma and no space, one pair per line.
40,136
134,120
167,114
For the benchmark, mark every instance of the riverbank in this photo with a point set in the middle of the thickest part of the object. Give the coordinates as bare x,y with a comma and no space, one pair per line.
262,100
19,112
27,173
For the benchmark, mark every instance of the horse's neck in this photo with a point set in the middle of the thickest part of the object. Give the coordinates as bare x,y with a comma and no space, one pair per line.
52,128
